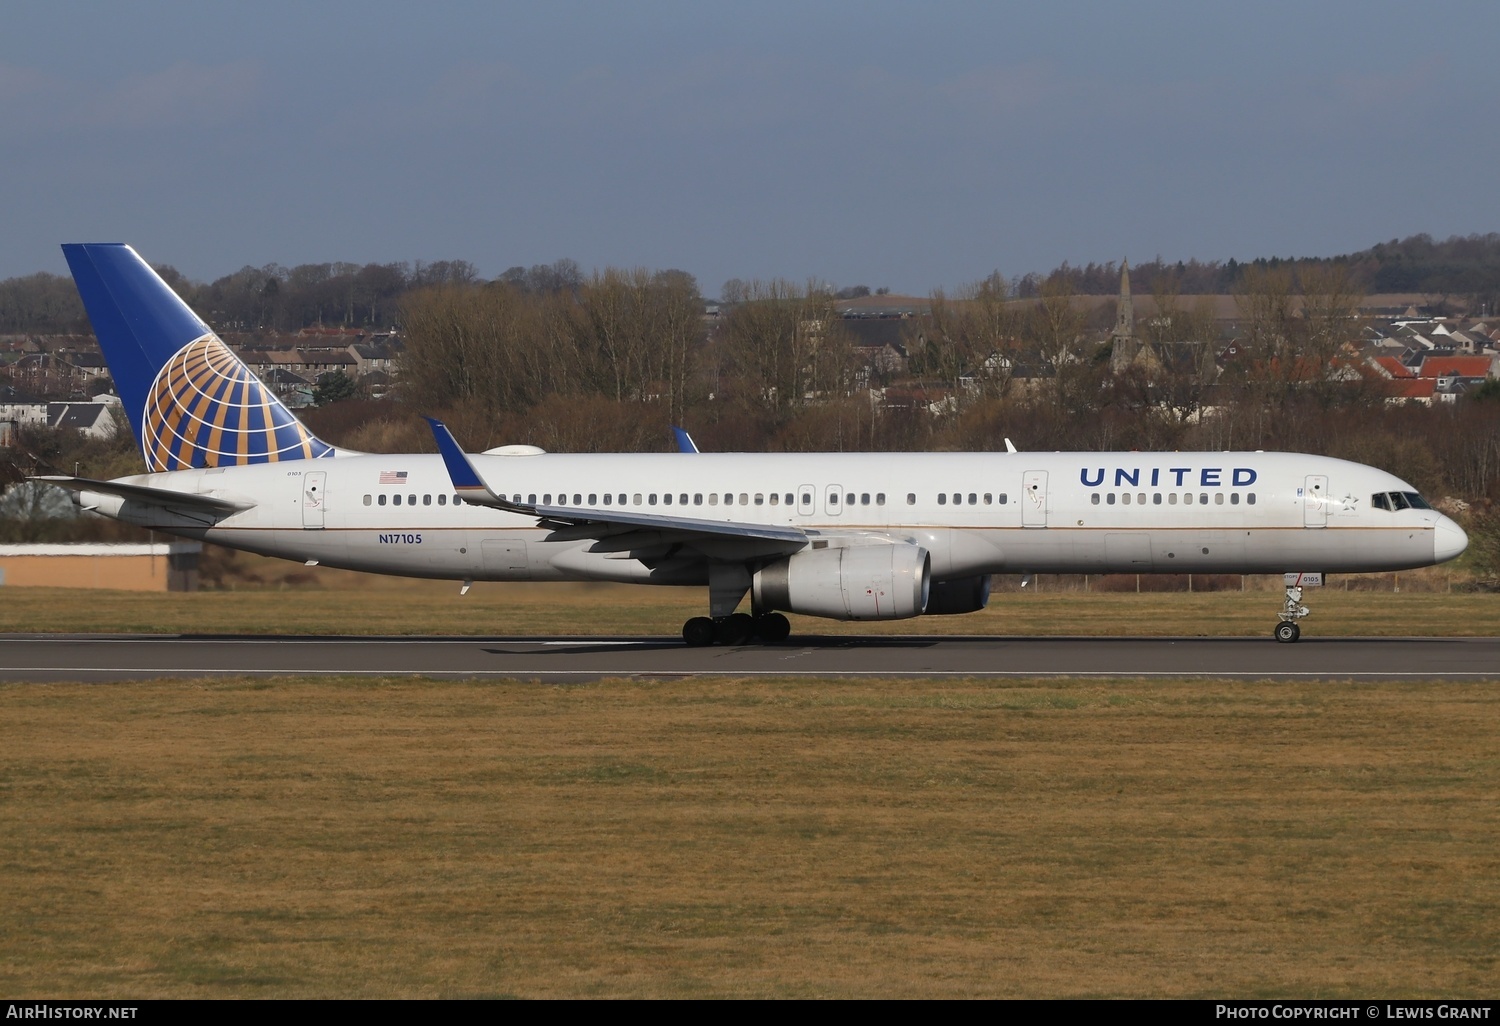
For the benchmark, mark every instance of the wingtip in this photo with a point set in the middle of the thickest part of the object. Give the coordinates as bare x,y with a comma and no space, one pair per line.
460,471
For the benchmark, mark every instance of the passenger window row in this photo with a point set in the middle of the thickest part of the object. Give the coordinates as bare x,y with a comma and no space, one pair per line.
1171,499
713,499
1381,500
975,499
650,499
660,498
410,500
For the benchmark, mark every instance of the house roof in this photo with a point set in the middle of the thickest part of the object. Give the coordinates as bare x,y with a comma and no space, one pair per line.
12,396
87,360
875,333
1392,367
315,332
76,415
1456,366
1412,388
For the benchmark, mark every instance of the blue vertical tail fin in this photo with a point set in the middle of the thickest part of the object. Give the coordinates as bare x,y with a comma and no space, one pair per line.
683,440
191,401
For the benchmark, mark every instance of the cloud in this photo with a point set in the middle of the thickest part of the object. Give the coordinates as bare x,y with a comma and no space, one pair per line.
1005,90
184,95
28,97
19,84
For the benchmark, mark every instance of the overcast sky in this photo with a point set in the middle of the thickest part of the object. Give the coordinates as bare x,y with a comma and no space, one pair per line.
908,145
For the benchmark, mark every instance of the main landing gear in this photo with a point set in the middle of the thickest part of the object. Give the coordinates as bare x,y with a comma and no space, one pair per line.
1292,610
736,629
727,585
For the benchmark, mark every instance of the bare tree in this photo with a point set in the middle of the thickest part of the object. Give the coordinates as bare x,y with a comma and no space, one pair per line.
786,343
1264,299
1330,308
970,336
1055,330
473,345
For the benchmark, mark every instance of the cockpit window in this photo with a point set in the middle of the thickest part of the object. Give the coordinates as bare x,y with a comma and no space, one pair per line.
1398,500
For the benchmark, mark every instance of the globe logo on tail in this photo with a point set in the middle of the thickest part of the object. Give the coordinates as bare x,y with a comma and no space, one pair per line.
207,409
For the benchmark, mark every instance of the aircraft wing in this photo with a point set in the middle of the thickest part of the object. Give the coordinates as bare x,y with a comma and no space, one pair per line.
166,498
472,488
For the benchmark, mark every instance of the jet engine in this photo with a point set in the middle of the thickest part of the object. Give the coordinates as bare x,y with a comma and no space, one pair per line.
959,595
857,582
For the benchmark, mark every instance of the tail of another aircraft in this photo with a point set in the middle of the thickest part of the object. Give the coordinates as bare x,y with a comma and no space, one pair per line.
192,403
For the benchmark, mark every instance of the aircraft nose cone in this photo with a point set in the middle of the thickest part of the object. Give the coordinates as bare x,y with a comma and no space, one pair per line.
1448,540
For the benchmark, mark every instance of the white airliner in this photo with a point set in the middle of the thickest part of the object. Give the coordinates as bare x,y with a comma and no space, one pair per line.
847,536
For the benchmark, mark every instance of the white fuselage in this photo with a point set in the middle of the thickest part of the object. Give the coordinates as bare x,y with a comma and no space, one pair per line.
975,513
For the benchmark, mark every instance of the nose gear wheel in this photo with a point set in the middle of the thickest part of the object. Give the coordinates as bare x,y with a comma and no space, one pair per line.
1292,610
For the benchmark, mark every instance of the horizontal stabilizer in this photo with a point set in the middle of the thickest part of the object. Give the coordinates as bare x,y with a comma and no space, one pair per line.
163,497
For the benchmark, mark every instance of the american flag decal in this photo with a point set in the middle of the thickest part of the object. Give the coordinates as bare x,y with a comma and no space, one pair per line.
393,477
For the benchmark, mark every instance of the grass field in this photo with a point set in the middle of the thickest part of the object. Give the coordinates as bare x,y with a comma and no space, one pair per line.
725,837
733,838
388,606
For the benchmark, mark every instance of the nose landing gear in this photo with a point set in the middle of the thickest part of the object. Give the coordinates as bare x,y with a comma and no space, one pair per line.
1292,610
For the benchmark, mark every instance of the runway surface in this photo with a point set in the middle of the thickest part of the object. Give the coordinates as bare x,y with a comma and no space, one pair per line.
42,658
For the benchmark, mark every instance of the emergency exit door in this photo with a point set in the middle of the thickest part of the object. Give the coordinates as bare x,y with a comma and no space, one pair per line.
1315,501
1034,499
314,501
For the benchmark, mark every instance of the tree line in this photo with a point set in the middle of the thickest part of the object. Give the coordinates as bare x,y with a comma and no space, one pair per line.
1465,267
272,298
275,298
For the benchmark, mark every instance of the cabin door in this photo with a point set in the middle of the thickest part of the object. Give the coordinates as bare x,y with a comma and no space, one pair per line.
833,500
314,485
1034,499
1315,501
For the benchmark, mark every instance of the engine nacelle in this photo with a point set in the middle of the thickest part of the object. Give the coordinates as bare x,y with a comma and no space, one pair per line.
857,582
959,595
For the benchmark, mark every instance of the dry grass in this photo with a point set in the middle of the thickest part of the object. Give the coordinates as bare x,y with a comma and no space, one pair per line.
733,838
390,606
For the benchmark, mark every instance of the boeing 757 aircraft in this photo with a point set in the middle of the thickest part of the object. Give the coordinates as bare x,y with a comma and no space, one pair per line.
847,536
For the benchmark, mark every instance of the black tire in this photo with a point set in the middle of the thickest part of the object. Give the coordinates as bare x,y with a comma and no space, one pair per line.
1287,632
773,628
698,632
735,629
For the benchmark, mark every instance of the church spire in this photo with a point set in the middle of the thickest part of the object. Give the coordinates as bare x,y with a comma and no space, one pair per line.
1125,311
1123,343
